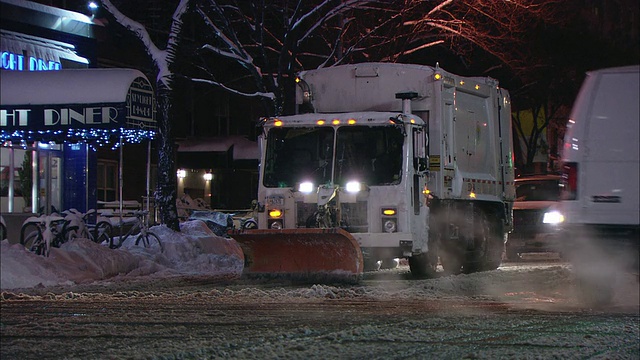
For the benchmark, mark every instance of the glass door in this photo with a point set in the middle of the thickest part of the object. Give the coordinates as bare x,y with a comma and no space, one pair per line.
50,178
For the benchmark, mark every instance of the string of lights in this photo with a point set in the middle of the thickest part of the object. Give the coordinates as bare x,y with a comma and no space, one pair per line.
93,137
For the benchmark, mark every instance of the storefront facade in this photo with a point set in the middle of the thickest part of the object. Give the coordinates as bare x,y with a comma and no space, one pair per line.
56,110
62,129
38,38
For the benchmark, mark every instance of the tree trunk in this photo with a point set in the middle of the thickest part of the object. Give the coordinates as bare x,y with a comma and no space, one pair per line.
167,185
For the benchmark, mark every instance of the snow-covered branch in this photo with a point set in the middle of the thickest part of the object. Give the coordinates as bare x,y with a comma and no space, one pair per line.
161,58
266,95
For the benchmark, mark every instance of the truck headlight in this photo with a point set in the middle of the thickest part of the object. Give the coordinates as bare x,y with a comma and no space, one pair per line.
353,186
305,187
553,218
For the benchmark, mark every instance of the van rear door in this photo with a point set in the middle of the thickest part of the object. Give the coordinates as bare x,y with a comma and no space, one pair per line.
609,174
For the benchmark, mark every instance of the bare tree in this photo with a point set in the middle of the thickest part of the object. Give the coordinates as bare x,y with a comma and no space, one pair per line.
272,40
162,59
502,39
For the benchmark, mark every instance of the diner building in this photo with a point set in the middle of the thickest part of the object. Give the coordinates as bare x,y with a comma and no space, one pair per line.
57,109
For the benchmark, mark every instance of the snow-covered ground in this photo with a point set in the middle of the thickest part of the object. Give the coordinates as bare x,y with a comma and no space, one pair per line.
197,251
193,251
519,311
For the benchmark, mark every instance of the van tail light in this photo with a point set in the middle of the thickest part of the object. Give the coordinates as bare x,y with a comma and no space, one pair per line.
570,181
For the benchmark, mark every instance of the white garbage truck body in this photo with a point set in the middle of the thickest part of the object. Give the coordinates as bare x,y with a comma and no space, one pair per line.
410,161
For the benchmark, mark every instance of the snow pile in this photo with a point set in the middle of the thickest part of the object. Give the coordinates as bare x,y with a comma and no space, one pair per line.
196,250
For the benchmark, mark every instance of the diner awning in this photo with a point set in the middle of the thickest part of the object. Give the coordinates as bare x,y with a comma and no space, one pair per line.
91,105
243,148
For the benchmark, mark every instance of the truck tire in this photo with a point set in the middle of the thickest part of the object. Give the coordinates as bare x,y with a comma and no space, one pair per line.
496,244
451,260
488,245
421,267
512,253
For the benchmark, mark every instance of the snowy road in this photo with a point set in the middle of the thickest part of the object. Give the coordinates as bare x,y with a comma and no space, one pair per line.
521,311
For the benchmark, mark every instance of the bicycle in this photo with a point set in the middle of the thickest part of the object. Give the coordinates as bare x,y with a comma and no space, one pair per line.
78,226
141,229
3,229
49,231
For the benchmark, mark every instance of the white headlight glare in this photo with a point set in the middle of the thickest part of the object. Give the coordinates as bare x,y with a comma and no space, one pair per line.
553,217
306,187
353,186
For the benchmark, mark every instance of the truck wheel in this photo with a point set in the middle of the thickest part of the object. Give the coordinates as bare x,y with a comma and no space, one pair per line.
451,261
489,240
512,253
496,243
421,267
493,262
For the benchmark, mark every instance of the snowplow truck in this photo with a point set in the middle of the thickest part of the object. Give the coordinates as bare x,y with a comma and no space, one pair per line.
384,161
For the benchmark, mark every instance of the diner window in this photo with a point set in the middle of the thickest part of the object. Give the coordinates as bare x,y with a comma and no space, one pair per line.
107,180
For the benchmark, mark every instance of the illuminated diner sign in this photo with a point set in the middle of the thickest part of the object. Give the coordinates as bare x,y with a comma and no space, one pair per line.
131,118
18,62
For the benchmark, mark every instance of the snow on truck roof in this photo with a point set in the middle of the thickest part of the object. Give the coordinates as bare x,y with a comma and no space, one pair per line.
375,87
362,118
371,69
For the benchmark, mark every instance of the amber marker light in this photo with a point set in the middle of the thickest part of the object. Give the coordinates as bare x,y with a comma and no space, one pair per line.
389,212
437,76
335,121
320,122
277,122
351,121
275,213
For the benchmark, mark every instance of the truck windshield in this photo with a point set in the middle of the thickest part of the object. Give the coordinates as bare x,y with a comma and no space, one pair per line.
296,154
369,154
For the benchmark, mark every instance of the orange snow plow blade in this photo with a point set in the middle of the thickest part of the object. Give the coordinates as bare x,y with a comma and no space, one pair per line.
318,255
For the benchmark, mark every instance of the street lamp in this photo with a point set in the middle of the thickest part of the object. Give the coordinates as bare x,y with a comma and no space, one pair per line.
207,186
182,174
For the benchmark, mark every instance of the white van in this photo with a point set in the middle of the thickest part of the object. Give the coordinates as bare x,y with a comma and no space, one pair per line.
600,203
